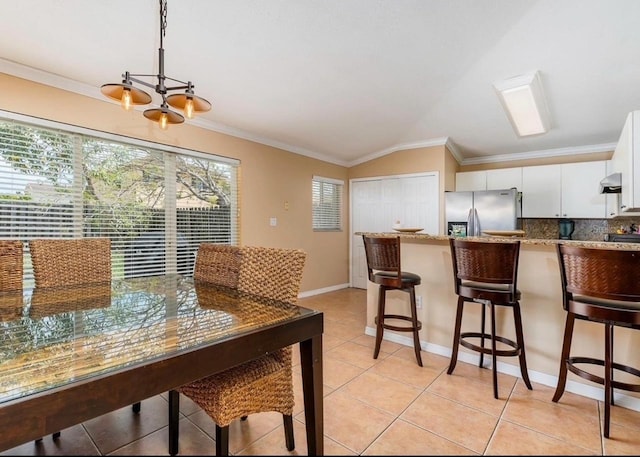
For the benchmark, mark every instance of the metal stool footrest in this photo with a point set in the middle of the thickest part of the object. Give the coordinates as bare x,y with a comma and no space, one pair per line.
395,327
572,361
487,349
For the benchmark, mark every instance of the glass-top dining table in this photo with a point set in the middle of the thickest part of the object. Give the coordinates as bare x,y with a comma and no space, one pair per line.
71,354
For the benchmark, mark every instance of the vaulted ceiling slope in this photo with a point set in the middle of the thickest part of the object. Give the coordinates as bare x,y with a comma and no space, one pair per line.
349,80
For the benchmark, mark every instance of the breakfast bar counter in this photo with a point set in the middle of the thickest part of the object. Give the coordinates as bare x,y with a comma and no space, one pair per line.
543,316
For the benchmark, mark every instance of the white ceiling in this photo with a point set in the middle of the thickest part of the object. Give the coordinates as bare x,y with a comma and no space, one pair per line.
349,80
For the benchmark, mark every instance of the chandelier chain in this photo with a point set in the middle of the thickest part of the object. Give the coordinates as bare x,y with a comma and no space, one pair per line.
163,17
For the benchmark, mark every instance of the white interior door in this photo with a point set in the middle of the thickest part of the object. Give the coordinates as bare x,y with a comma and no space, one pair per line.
377,203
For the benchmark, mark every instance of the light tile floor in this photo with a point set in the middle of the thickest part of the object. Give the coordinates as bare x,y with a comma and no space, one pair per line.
388,406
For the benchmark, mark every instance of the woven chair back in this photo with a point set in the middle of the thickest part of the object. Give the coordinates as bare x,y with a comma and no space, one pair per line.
601,273
273,273
487,262
218,264
383,254
10,265
70,261
55,300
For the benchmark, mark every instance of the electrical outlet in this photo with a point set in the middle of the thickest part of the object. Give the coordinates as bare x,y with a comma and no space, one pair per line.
419,302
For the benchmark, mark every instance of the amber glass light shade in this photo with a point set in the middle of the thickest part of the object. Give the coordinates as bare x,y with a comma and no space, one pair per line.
122,91
189,103
163,116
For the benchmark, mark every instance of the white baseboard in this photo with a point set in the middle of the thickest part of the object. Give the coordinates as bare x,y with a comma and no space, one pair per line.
597,393
324,290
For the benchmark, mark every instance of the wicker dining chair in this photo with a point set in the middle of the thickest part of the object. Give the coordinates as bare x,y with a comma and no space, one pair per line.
64,262
218,264
61,262
261,385
11,279
10,265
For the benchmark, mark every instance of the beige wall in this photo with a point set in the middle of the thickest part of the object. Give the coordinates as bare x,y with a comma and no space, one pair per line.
269,176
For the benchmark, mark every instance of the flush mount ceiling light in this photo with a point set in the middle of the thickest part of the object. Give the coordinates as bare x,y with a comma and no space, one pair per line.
523,99
128,95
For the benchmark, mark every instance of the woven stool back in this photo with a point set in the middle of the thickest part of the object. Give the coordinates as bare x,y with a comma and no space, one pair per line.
488,262
271,272
70,261
383,254
10,265
218,264
602,273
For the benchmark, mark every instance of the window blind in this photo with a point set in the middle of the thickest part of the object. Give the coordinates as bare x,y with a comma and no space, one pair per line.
155,205
327,203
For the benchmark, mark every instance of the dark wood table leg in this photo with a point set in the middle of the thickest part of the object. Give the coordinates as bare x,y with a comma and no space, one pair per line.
311,362
174,421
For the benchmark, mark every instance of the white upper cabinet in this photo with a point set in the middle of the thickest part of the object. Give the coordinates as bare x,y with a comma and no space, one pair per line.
548,191
565,190
541,189
504,178
626,160
471,180
581,195
501,178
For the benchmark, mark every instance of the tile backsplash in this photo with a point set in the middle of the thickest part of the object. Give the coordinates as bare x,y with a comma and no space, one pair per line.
585,229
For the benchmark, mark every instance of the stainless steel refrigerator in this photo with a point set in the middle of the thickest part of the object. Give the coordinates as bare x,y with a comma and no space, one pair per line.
469,213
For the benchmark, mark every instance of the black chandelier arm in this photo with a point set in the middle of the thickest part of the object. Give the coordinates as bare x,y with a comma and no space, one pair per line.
186,85
132,78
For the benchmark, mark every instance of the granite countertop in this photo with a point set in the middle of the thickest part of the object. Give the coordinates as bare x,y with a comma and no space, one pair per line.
523,240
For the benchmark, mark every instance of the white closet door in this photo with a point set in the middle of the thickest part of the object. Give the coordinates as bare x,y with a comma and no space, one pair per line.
377,203
365,213
420,203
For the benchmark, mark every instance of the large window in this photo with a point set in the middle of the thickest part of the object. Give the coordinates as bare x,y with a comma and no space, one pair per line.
156,203
327,204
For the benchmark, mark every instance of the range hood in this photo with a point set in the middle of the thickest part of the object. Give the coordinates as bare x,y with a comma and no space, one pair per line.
612,184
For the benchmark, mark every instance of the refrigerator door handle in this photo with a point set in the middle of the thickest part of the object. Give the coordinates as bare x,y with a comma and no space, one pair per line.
476,223
471,223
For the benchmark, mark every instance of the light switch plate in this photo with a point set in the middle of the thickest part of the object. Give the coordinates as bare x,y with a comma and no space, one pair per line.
273,222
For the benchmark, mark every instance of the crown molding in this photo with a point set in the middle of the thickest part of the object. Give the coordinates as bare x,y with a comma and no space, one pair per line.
453,149
545,153
49,79
400,147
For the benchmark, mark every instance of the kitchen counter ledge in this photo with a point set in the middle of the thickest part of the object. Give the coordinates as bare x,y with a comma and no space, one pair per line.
523,240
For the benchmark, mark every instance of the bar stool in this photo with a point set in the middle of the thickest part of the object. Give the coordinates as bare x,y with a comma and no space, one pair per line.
384,269
487,273
598,285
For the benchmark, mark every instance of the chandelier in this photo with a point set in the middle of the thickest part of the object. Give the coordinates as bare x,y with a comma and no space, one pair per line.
128,95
